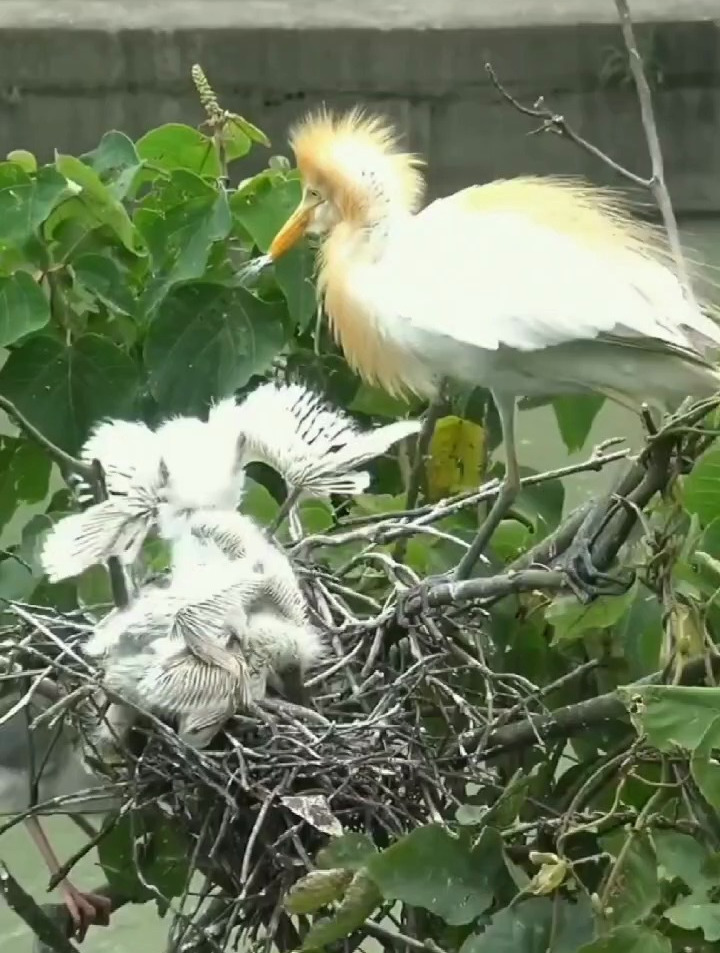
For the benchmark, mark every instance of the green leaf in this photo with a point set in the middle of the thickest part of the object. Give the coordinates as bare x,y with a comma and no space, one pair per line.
127,859
250,130
116,162
350,851
64,389
176,146
294,275
704,765
25,202
262,211
537,925
93,588
99,201
26,160
24,308
168,863
235,142
673,715
637,890
361,899
206,341
181,236
629,939
21,571
102,276
701,488
575,416
541,504
691,915
315,516
683,857
571,619
24,474
376,402
317,889
430,868
259,503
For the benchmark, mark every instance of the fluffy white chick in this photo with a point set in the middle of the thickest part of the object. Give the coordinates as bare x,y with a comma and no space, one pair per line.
231,618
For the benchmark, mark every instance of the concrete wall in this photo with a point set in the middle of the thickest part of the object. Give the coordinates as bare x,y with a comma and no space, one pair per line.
70,69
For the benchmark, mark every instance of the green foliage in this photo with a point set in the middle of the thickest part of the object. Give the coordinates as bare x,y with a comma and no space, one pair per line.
121,295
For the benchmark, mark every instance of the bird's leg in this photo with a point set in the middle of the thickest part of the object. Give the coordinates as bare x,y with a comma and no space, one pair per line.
85,909
584,578
509,489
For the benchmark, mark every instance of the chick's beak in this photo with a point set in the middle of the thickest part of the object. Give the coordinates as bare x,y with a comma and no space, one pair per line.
291,232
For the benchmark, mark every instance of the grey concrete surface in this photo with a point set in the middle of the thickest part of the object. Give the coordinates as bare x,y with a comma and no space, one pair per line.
71,69
303,14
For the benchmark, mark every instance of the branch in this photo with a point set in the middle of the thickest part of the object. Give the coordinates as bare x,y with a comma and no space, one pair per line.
574,719
92,473
63,459
656,183
32,914
416,474
615,514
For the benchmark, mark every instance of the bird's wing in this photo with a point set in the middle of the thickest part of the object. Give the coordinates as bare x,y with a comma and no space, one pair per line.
313,446
494,277
116,527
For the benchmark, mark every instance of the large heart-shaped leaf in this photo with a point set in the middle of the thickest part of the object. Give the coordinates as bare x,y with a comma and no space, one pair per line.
24,307
208,340
26,201
63,389
447,875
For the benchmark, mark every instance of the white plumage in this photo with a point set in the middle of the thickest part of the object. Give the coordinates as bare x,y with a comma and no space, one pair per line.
527,286
188,465
314,447
231,617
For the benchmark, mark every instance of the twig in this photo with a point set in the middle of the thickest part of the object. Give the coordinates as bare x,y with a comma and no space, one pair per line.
574,719
416,474
656,182
118,581
554,122
63,459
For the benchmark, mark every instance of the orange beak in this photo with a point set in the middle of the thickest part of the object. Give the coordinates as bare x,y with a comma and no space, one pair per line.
291,232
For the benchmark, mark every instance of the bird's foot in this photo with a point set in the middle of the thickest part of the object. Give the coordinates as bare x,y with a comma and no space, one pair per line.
85,909
586,581
406,609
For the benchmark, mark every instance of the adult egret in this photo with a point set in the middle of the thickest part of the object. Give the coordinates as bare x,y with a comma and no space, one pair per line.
527,286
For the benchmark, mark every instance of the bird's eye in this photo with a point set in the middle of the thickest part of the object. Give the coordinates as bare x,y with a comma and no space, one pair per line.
313,194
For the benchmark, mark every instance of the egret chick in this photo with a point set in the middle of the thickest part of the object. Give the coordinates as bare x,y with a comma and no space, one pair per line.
189,465
206,643
527,286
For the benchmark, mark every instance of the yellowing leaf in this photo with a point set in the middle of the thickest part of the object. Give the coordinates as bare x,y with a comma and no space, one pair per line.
457,453
317,889
549,877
